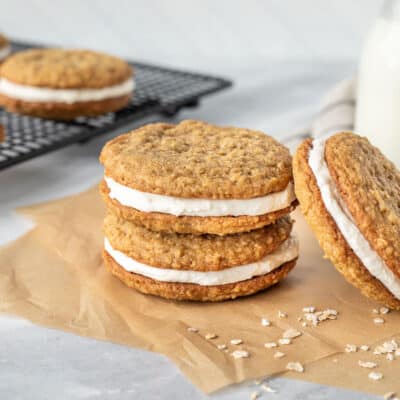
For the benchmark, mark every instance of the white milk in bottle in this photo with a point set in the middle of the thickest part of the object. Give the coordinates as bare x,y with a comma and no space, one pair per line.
378,93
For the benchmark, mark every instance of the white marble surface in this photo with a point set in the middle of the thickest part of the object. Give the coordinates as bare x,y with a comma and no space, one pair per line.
283,55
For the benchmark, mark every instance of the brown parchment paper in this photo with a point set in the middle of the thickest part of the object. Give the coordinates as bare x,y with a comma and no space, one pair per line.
54,276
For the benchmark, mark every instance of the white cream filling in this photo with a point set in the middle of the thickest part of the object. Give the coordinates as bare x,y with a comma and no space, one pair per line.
4,52
287,251
343,219
149,202
45,94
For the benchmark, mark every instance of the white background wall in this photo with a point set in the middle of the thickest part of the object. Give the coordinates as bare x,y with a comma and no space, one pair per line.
217,35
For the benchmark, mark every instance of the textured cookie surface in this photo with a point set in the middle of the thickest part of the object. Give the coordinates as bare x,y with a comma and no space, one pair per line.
194,252
193,292
65,69
197,160
369,184
188,224
64,111
329,236
3,41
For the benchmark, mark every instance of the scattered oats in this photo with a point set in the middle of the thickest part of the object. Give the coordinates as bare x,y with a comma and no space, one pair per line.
304,324
221,346
390,356
282,314
210,336
240,354
191,329
384,310
375,376
378,321
270,345
279,354
268,389
265,322
364,347
295,366
236,341
309,309
291,334
375,311
330,311
350,348
387,347
254,395
284,341
389,396
367,364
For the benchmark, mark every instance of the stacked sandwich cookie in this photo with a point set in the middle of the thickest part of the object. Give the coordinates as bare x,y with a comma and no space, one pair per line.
64,84
198,212
349,193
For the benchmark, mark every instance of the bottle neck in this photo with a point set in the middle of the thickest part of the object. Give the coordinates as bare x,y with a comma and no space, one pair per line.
391,9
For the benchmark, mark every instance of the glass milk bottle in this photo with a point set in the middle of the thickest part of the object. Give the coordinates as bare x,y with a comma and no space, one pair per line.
378,93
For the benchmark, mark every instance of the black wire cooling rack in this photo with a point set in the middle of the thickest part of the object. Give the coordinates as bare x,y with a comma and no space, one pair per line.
158,90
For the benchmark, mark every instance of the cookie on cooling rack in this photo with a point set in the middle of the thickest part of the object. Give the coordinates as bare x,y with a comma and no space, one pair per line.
197,178
349,194
64,84
198,267
5,48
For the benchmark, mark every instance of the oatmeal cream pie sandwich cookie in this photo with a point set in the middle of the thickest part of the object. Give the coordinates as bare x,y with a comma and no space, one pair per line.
5,48
349,194
197,178
64,84
198,267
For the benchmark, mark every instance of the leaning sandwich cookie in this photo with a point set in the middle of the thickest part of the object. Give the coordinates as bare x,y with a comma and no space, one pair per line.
349,194
197,178
64,84
199,267
5,48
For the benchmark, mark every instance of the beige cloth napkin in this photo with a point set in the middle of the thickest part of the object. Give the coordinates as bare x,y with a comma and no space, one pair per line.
337,109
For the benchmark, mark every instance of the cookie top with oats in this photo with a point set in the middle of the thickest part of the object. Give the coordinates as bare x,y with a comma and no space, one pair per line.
195,159
65,69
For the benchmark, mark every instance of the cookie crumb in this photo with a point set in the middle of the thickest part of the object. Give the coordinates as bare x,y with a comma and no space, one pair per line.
265,322
191,329
375,376
254,395
284,341
390,346
282,314
384,310
309,309
279,354
364,347
236,341
390,356
291,334
375,311
378,321
350,348
367,364
268,389
221,346
210,336
270,345
389,396
295,366
240,354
